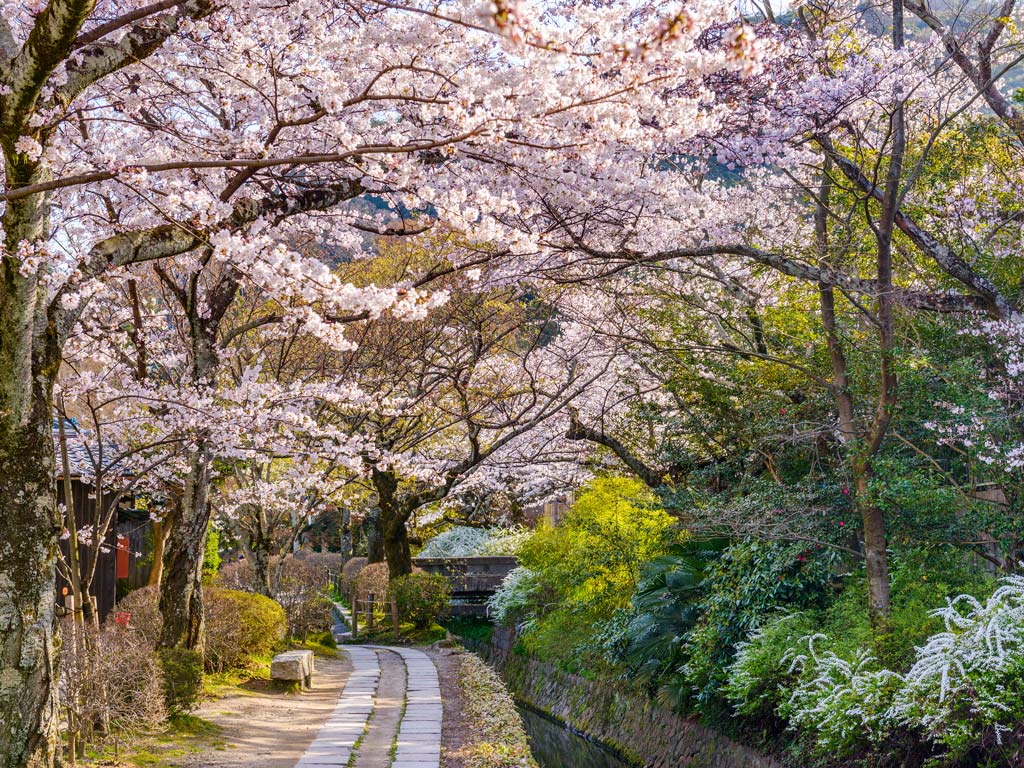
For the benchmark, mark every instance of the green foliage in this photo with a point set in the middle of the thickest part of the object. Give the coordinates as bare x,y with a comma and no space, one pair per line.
422,598
182,679
211,556
648,637
588,567
750,581
242,628
920,581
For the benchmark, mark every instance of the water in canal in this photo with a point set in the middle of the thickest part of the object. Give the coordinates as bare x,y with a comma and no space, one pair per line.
555,746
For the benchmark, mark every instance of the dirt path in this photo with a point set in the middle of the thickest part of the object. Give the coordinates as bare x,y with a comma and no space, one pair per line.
263,728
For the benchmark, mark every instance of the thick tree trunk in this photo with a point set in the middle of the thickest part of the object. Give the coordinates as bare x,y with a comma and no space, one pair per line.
396,547
29,643
30,522
181,595
259,553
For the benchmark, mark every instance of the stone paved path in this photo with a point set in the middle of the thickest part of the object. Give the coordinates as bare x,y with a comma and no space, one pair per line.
366,718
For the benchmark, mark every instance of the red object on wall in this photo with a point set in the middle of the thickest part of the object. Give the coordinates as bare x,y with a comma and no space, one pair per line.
122,557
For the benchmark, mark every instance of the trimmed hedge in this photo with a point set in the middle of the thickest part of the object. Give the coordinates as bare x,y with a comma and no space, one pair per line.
242,628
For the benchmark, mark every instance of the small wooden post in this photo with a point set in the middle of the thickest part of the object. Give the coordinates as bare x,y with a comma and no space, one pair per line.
394,617
369,611
355,614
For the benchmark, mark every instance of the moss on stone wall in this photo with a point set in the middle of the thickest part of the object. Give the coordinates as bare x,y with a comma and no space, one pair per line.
630,724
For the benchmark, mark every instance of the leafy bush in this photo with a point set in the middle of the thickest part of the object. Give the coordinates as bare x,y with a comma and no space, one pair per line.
648,637
241,628
749,582
422,598
512,602
589,566
843,704
109,677
920,580
182,678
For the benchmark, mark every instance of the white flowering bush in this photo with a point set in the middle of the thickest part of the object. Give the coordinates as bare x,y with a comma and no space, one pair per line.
762,673
845,704
966,686
506,541
463,541
459,541
513,600
963,692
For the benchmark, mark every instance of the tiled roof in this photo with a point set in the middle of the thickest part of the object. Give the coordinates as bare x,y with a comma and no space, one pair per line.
82,451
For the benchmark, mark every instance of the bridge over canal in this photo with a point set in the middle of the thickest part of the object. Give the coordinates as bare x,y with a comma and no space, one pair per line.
473,579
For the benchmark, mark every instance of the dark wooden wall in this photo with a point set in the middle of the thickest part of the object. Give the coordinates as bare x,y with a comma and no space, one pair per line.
129,523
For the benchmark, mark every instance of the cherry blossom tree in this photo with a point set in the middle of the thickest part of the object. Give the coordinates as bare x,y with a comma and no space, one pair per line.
183,128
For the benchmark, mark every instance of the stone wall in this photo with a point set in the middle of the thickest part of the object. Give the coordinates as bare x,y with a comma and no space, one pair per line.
630,724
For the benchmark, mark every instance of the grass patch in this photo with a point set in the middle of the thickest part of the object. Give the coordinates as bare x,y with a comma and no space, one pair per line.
183,736
474,629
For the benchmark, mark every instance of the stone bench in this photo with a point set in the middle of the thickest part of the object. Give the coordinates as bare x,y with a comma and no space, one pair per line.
293,667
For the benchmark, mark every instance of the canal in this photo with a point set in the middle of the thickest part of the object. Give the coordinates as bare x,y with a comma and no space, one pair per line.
555,746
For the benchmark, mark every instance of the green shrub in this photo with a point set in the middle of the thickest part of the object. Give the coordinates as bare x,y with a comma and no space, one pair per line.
182,679
242,628
211,556
921,581
749,582
588,567
422,598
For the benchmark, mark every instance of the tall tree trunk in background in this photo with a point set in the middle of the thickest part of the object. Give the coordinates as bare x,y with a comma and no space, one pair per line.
396,546
258,551
156,570
393,536
181,595
860,463
346,535
374,535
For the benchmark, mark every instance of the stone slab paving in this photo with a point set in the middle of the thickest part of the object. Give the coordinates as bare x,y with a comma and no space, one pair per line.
337,738
418,741
419,736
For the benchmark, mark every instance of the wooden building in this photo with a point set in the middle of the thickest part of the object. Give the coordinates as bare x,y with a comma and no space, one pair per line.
122,558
